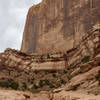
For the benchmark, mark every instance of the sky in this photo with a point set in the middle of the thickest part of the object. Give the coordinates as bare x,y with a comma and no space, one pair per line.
12,21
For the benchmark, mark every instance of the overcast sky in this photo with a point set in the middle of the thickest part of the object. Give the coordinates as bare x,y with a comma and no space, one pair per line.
12,20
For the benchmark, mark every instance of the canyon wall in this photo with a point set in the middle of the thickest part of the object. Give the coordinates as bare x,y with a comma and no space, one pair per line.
58,25
88,49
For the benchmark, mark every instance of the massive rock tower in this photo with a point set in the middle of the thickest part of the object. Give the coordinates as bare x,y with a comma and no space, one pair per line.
58,25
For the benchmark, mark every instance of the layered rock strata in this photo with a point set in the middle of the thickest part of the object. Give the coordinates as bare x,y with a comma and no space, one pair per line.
87,49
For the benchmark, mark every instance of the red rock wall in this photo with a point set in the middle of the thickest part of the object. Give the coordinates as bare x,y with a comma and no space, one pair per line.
58,25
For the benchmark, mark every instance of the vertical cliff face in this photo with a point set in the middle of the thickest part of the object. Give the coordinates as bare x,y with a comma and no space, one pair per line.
58,25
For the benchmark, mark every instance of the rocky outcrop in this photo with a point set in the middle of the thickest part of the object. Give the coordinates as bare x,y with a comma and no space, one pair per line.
21,60
87,49
13,95
58,25
70,75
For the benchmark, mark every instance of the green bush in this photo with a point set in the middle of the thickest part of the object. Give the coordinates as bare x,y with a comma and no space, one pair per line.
68,77
13,84
26,72
4,83
32,80
46,81
54,75
51,85
58,85
48,56
41,57
65,71
28,80
33,88
36,72
98,77
46,72
62,81
85,59
41,83
24,86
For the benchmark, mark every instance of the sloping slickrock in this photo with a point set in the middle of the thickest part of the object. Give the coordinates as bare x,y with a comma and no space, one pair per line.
63,95
80,79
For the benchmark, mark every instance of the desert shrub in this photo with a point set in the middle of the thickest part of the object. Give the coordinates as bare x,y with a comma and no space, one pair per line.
48,56
74,88
58,85
46,72
36,72
10,83
17,75
85,59
4,83
33,88
65,71
99,64
51,85
32,80
28,80
41,57
41,83
46,81
68,75
13,84
62,81
9,73
26,72
98,77
54,75
24,86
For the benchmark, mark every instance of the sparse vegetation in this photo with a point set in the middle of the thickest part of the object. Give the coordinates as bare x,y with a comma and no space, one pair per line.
58,85
32,80
48,56
65,71
41,57
33,88
9,83
13,84
24,86
85,59
35,80
26,72
52,86
62,81
36,72
46,81
41,83
54,75
98,77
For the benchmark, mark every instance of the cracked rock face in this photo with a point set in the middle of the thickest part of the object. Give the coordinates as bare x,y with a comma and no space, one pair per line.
58,25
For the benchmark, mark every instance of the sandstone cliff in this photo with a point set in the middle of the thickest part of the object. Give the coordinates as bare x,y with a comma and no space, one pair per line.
58,25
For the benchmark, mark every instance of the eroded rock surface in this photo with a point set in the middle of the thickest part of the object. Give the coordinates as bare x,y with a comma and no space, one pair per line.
64,95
